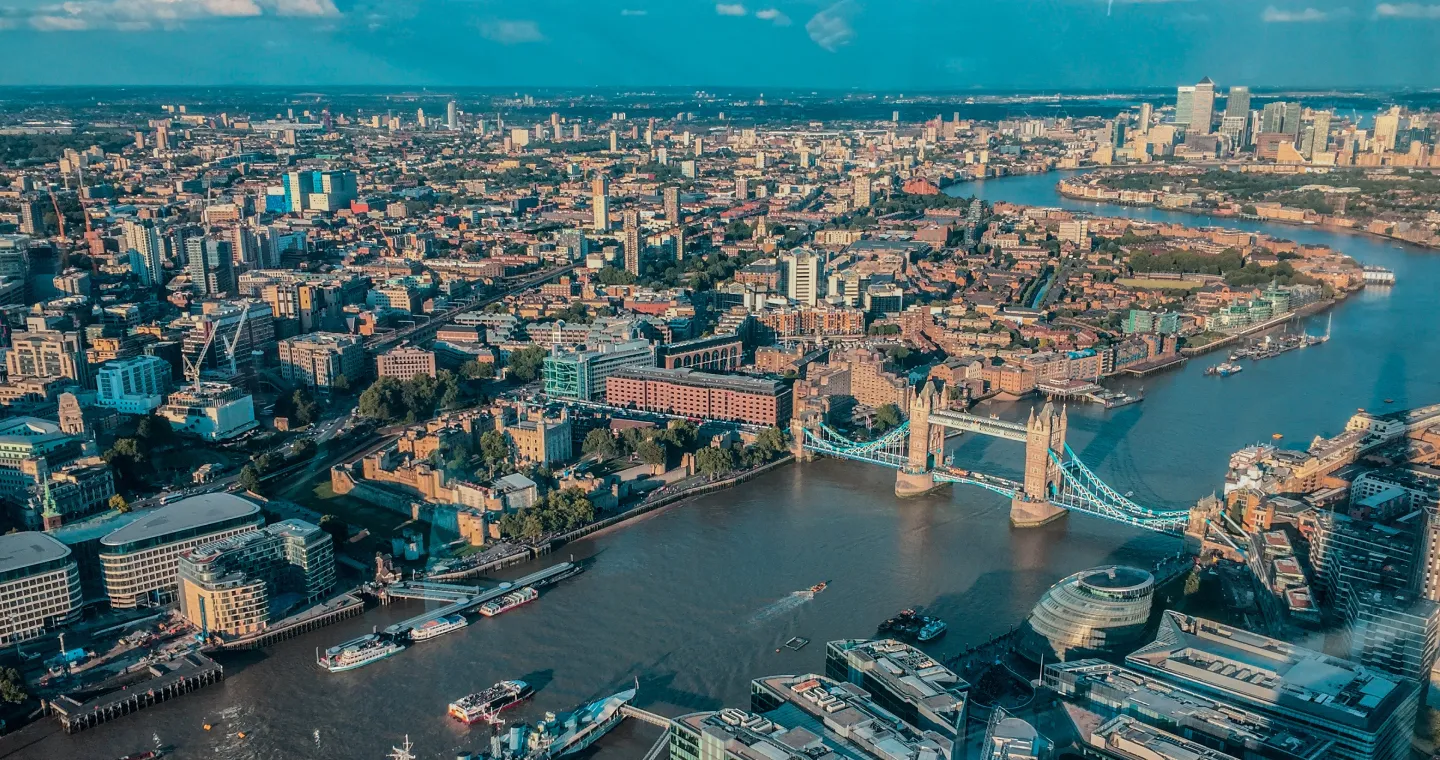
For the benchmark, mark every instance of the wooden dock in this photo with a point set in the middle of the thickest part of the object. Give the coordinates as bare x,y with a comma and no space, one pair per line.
169,680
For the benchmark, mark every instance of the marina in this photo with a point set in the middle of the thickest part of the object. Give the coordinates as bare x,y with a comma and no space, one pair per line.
378,645
1087,391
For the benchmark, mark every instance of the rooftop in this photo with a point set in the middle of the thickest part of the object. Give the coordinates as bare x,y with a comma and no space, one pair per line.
906,671
1269,672
21,550
704,379
186,514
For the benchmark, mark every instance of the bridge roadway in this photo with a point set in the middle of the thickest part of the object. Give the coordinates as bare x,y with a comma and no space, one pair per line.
384,342
1010,431
460,601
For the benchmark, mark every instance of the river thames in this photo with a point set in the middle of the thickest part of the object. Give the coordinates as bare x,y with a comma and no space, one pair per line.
694,600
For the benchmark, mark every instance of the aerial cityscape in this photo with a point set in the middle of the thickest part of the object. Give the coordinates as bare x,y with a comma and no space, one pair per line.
619,418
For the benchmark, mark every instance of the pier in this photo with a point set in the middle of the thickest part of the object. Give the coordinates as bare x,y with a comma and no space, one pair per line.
461,599
170,680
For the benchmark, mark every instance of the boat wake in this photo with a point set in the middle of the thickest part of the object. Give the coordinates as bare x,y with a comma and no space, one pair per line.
782,605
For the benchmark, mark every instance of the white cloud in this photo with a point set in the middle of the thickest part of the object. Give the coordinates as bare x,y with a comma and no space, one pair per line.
774,16
730,9
511,32
633,12
830,28
1273,15
137,15
1407,10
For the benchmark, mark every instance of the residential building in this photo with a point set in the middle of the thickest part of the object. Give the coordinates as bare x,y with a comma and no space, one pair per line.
700,394
405,362
804,275
321,359
136,385
600,200
672,204
211,266
237,585
39,586
143,240
139,561
632,242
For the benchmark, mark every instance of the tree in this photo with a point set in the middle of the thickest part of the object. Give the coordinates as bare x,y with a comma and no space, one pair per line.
600,443
613,276
118,503
382,400
475,369
1192,582
338,530
154,431
494,449
341,383
681,434
249,479
651,452
887,417
302,449
12,686
771,442
525,364
713,460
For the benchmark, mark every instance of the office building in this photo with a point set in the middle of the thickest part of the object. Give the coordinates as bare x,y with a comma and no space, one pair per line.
139,561
136,385
452,116
1387,129
805,717
25,444
1237,103
1096,612
320,359
700,394
600,198
632,242
1108,690
804,275
1368,714
1010,738
213,411
672,205
582,375
211,265
1202,108
1398,634
405,362
1236,129
237,585
48,354
319,190
1184,104
39,586
1320,140
903,680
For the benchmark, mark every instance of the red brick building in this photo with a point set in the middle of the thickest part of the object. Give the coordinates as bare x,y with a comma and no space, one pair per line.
700,394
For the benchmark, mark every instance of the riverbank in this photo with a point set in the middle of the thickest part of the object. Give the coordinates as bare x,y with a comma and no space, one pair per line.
1304,311
1099,194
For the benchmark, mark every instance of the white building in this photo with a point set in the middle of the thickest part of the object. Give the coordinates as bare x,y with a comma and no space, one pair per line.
133,386
804,276
39,586
213,411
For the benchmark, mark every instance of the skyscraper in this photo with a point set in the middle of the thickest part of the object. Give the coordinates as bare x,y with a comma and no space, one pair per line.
861,194
211,266
32,217
1272,117
1238,102
804,273
742,188
1147,112
1184,104
614,141
1387,128
1202,112
452,116
632,242
144,240
600,200
672,205
1322,131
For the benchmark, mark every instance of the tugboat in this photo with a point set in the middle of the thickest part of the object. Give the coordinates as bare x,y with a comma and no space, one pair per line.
911,625
488,704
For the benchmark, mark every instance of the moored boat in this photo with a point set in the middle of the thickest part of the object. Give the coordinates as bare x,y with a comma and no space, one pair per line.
509,602
358,653
486,705
438,627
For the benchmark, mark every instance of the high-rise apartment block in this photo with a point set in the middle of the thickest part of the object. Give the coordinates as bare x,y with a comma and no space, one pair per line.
321,359
600,199
804,275
235,586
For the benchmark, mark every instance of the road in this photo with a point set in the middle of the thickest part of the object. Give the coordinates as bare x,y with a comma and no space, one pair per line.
379,343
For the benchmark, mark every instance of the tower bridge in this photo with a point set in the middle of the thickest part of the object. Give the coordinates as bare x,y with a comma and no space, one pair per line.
1055,480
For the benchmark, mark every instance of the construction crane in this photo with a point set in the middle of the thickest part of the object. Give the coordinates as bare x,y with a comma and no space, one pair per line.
235,339
59,217
192,369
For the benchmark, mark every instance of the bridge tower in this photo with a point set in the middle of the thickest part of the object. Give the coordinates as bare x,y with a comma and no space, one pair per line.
916,477
1045,434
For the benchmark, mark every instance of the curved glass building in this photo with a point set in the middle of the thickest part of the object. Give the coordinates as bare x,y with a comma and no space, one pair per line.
1099,612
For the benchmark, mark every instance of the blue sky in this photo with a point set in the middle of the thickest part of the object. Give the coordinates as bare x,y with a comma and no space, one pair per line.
867,44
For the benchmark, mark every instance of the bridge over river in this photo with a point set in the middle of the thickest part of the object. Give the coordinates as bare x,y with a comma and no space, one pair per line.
1056,481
